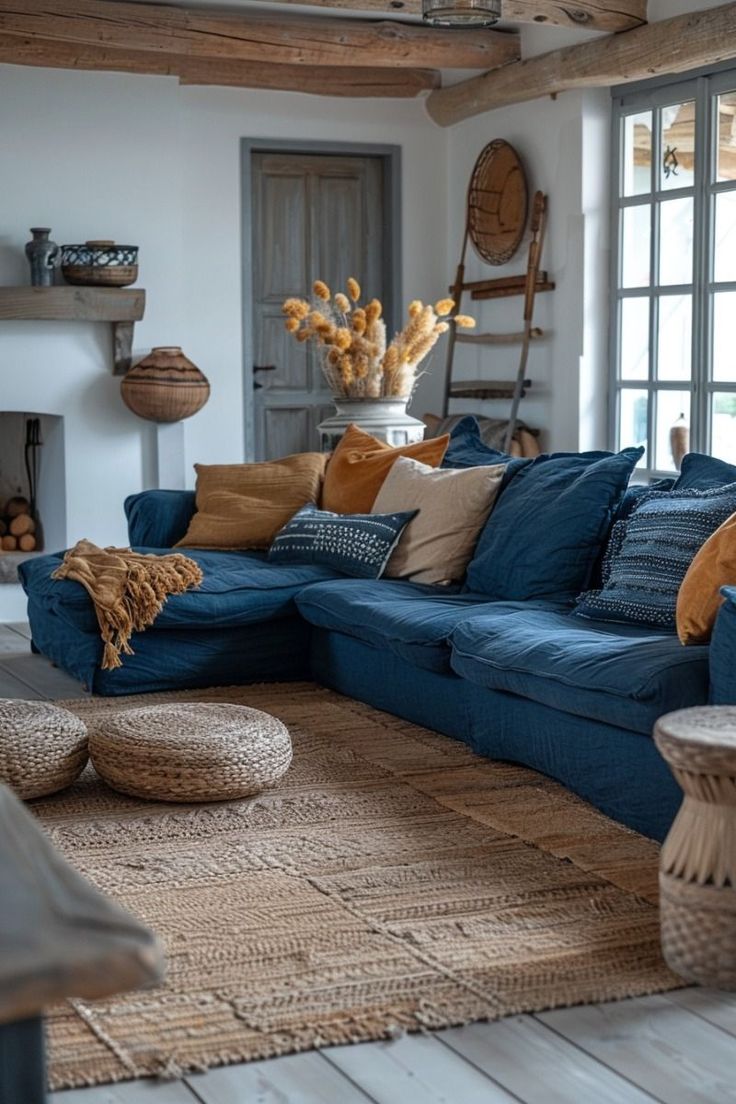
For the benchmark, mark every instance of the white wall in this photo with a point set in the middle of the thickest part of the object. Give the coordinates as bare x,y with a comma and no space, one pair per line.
145,161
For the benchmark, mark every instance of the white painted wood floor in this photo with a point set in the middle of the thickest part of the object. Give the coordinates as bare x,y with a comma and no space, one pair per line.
674,1049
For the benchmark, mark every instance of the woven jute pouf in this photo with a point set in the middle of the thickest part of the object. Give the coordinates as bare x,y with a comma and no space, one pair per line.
43,748
190,751
698,864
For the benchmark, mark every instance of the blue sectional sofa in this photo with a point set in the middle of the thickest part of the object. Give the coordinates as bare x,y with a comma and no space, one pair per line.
528,681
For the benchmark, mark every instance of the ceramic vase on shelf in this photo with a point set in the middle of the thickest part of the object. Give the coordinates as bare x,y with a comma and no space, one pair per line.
679,440
386,419
43,256
165,386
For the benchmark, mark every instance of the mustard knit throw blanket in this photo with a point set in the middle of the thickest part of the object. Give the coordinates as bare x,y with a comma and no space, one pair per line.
128,589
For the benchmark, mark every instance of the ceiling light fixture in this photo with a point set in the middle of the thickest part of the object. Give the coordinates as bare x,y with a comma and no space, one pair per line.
461,13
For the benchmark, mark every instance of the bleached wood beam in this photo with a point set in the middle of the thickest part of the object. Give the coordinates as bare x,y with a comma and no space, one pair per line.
671,46
318,80
255,36
592,15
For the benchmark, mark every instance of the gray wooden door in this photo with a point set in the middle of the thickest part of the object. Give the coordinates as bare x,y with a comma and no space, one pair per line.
313,217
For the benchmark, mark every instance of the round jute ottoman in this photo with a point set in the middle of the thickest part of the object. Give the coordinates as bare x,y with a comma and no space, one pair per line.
43,748
697,876
190,751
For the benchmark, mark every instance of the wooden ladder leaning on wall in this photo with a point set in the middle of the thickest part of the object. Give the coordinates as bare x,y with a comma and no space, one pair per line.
528,285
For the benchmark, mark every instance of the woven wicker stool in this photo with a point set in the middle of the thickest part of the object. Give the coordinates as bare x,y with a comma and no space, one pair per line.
698,865
190,752
42,748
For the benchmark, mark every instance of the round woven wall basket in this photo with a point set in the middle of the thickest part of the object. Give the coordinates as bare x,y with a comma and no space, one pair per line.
165,386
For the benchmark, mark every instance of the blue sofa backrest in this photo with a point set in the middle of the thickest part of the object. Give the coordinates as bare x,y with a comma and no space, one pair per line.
158,519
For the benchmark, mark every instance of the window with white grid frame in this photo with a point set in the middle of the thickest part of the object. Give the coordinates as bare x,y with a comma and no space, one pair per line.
674,270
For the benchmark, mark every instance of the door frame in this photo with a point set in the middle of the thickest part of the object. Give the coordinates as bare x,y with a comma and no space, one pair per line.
390,155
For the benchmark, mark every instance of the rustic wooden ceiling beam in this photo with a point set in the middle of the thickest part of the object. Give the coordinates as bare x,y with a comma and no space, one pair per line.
256,36
317,80
590,15
671,46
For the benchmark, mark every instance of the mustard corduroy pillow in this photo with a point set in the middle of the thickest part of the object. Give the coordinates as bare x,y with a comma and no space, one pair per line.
241,506
699,599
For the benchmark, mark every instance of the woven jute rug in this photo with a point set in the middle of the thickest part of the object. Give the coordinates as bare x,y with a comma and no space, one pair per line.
393,881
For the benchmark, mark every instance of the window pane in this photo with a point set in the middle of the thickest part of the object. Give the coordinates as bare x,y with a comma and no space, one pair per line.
637,175
673,415
727,136
678,146
724,336
723,426
636,239
676,242
725,242
635,339
674,346
633,420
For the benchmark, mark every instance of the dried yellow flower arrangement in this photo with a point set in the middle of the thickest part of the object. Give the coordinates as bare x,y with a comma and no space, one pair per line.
356,360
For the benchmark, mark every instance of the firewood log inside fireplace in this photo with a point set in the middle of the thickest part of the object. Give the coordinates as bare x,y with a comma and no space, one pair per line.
22,523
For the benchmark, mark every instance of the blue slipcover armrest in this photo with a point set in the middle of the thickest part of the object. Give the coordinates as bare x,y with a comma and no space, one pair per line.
158,519
723,652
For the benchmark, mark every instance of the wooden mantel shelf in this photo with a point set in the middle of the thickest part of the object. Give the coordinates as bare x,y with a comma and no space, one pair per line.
121,306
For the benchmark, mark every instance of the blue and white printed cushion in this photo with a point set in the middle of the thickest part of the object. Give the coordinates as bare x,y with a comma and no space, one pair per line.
648,555
355,544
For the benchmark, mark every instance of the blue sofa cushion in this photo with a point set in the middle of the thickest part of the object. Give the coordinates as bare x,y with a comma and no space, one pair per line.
354,544
467,449
621,675
723,650
239,588
699,472
413,621
547,528
158,519
648,555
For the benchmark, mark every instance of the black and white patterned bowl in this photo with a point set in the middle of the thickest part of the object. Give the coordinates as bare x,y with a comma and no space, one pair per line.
100,263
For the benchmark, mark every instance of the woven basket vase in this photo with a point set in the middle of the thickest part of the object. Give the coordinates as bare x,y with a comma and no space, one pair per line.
43,748
190,752
698,862
165,386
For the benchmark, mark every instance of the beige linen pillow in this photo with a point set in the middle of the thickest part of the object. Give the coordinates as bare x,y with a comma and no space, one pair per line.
453,505
243,506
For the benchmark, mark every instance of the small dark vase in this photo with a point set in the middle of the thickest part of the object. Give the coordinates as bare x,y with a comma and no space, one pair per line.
43,255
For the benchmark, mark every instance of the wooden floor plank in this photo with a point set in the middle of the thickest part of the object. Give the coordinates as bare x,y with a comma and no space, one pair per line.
661,1047
415,1069
295,1079
12,643
21,627
537,1065
129,1092
716,1007
11,687
41,676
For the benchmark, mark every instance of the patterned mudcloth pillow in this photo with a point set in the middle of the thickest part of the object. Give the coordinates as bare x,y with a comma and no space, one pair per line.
649,554
355,544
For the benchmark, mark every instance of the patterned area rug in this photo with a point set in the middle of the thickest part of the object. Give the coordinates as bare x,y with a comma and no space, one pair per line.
393,881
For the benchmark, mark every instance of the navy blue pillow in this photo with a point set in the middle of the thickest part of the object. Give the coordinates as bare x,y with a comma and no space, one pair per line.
467,449
699,472
547,528
355,544
648,555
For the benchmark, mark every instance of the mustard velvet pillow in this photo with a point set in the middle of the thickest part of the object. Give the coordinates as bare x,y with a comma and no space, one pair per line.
699,599
360,463
242,506
453,504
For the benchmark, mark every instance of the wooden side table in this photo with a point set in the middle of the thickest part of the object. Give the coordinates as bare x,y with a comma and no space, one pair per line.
698,864
59,938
